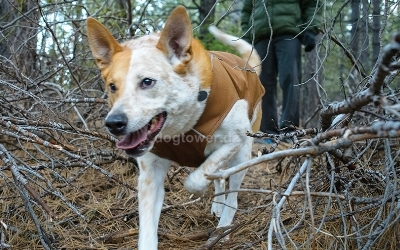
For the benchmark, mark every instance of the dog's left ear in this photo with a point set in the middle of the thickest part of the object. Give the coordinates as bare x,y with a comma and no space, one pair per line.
176,37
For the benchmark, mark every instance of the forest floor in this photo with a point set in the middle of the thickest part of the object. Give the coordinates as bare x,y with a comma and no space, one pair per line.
109,218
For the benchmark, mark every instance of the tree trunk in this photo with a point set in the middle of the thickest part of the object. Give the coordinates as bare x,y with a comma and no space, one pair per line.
355,27
206,15
376,26
312,79
19,41
364,37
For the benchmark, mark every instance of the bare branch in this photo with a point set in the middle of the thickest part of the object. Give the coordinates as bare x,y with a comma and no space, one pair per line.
368,95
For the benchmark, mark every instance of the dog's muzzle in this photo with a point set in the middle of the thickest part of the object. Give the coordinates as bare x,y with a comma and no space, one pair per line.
135,143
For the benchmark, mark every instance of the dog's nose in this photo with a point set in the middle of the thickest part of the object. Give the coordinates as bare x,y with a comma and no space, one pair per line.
116,123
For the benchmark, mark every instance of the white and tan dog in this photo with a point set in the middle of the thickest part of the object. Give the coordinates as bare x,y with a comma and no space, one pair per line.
172,100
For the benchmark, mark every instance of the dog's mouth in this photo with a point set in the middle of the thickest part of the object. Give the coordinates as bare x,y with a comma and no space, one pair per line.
136,143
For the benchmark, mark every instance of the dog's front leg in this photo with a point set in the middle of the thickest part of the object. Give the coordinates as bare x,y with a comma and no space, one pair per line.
197,183
153,171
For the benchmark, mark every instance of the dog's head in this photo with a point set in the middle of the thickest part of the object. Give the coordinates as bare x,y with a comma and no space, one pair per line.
152,82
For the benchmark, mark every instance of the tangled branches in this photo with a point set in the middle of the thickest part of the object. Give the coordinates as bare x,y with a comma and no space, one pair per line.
43,147
63,185
51,142
357,167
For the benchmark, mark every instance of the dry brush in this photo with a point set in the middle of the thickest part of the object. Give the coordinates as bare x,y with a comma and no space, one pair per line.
63,185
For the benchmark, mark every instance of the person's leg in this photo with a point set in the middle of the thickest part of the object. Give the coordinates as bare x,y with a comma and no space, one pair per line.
288,53
268,78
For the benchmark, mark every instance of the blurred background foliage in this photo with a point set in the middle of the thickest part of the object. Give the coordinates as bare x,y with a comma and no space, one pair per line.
52,36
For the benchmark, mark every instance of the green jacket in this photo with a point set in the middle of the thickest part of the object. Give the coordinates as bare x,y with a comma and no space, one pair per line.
283,17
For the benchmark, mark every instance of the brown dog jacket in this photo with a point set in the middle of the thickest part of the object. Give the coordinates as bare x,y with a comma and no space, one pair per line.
231,82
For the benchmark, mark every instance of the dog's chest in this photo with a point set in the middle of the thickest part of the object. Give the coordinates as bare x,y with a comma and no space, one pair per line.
230,83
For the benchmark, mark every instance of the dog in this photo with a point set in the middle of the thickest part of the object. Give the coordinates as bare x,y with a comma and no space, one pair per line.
172,101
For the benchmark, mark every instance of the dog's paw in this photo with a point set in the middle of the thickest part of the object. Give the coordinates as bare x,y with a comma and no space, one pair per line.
196,183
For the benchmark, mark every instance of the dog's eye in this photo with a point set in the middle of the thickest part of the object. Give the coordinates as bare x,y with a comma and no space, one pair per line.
147,83
113,88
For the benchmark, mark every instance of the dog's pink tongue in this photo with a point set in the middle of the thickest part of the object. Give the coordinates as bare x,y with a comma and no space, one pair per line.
131,140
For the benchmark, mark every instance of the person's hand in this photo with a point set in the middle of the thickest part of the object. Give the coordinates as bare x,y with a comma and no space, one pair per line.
308,40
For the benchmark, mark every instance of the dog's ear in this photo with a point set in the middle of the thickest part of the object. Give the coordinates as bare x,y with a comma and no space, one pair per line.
102,44
176,37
